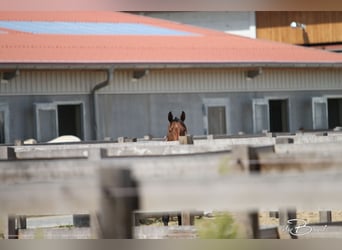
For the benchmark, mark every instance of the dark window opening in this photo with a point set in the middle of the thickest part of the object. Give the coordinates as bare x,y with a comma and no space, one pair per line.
334,112
2,128
70,120
217,120
278,116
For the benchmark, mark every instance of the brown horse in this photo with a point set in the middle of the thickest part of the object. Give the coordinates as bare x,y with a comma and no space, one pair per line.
176,128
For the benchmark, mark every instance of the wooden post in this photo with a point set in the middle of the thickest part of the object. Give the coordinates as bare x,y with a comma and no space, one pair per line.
12,227
95,227
210,137
187,219
187,139
325,216
119,199
286,214
148,137
18,142
254,220
22,222
136,219
3,226
121,139
185,215
14,224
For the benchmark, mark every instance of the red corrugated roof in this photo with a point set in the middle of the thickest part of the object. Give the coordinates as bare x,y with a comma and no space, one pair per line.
206,46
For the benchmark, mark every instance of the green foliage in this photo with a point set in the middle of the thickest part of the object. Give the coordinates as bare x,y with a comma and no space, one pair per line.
221,226
39,234
150,221
66,226
224,165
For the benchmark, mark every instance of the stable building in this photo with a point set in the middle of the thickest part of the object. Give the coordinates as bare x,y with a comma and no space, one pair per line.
102,75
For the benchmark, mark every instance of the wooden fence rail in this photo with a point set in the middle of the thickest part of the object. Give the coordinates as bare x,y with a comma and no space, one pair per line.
75,194
196,165
166,177
160,147
314,191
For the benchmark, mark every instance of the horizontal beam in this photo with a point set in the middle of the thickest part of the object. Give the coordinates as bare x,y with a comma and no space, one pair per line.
305,191
26,171
79,195
47,154
162,150
309,191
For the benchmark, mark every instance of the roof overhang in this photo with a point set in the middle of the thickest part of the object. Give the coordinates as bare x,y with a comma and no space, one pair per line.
102,66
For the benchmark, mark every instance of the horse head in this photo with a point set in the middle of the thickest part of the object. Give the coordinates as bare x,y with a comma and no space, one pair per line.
176,127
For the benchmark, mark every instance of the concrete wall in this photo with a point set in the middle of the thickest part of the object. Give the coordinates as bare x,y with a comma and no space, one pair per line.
135,109
22,113
201,80
136,115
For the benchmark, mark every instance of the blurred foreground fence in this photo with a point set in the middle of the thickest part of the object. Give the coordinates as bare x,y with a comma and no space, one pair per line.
114,181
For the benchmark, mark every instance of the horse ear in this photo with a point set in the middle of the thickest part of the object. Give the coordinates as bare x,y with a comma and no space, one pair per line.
170,117
182,117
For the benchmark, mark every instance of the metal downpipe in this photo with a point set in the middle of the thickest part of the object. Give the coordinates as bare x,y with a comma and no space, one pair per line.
96,88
